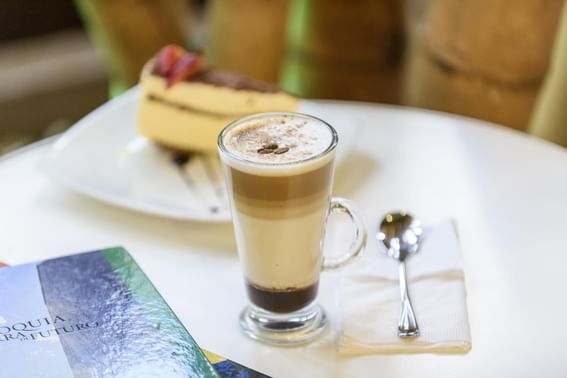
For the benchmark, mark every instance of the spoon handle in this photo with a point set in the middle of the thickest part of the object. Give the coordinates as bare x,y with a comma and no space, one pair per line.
407,326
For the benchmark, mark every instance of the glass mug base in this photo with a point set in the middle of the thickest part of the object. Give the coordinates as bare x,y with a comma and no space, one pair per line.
298,327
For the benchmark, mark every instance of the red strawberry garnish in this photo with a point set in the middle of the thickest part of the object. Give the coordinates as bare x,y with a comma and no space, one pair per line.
167,57
187,65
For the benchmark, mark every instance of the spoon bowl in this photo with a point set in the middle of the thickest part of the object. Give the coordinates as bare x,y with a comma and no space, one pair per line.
401,233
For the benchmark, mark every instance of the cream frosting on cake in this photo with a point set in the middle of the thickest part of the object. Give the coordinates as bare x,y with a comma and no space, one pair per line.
190,113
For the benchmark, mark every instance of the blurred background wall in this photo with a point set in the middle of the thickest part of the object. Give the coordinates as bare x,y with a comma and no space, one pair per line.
50,73
488,59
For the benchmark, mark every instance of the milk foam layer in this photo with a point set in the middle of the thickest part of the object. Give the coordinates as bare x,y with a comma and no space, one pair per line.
279,139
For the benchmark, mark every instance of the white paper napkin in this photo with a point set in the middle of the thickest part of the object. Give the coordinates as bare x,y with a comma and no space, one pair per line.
369,300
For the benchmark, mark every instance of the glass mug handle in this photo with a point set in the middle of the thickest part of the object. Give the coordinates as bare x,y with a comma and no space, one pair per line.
343,205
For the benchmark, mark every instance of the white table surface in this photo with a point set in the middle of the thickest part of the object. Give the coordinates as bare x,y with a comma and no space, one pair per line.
507,192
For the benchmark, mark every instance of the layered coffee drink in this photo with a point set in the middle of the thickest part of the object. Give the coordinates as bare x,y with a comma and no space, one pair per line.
279,171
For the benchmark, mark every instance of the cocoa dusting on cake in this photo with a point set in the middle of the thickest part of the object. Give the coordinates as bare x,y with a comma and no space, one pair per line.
213,76
219,78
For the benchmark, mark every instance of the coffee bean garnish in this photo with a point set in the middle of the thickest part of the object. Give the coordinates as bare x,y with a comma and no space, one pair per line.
271,146
282,150
264,151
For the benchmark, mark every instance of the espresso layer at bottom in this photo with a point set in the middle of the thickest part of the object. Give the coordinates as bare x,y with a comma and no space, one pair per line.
282,301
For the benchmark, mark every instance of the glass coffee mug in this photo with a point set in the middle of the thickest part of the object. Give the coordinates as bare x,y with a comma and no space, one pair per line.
279,173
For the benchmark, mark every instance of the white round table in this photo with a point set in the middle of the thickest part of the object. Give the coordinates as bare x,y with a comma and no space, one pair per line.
506,191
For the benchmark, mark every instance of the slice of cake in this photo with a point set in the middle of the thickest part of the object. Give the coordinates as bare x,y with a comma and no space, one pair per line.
185,104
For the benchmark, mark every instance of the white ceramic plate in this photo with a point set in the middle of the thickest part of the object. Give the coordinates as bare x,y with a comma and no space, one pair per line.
103,156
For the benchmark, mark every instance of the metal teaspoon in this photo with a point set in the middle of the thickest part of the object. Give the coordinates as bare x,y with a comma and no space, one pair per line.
401,234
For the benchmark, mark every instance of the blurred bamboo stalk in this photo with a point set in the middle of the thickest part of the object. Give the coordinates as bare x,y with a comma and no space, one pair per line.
247,36
346,50
549,119
129,32
482,58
